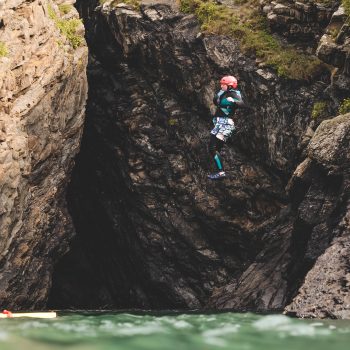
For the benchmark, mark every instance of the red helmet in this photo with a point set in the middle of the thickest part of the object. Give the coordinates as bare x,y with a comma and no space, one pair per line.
229,80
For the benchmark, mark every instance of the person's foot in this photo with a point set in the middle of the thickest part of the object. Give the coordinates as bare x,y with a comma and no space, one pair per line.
216,176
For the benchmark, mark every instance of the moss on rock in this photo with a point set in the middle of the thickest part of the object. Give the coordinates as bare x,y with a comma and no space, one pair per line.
68,27
249,27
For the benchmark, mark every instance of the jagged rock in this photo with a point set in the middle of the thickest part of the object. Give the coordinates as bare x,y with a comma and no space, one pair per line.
334,46
42,96
298,21
325,291
319,190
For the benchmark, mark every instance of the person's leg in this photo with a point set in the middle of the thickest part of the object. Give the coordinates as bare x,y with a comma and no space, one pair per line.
215,146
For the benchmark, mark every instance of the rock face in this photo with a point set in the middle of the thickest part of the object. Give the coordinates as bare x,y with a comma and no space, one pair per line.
325,292
334,46
301,21
319,194
152,231
43,90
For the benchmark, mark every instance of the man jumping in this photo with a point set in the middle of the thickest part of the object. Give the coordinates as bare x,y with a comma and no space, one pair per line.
227,100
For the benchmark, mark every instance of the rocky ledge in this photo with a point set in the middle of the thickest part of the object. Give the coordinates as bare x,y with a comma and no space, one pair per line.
326,289
301,21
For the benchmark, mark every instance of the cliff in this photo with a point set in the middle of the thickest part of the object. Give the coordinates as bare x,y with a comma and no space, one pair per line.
153,232
43,90
325,209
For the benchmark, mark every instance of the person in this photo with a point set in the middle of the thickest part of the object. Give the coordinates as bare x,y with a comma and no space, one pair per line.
227,100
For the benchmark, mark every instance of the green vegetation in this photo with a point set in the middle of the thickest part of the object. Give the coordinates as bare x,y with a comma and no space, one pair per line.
173,121
68,27
318,109
346,5
250,28
3,49
65,8
345,106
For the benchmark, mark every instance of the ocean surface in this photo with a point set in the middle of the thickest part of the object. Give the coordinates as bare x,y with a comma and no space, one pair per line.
127,331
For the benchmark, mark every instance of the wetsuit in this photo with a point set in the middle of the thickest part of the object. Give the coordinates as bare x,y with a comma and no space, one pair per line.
227,102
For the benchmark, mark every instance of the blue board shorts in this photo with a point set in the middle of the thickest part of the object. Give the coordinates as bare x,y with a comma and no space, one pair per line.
223,128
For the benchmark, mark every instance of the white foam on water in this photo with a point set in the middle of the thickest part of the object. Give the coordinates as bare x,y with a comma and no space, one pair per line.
107,325
317,324
214,336
3,336
216,332
81,328
215,341
182,324
271,322
285,326
176,322
129,329
33,324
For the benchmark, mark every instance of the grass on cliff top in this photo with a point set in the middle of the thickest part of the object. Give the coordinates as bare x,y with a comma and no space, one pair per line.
245,23
3,49
68,27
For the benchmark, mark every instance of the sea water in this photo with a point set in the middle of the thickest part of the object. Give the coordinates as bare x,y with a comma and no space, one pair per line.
128,331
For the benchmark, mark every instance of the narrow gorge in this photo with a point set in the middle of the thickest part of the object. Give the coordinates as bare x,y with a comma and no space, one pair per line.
105,201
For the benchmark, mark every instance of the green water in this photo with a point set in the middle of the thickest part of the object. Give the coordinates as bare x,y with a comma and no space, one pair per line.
174,332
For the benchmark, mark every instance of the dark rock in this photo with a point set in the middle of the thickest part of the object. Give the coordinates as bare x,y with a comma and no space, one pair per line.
152,231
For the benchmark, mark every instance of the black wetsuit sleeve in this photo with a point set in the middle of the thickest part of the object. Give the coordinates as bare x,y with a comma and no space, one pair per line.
215,100
239,103
238,99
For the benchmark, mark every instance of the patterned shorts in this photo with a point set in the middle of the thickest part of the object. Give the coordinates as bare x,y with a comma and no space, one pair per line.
223,128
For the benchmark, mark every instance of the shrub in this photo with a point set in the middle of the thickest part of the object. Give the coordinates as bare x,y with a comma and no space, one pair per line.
65,8
188,6
346,5
318,109
3,49
68,27
344,106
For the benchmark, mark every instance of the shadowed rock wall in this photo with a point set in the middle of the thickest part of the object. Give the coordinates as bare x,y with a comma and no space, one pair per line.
152,231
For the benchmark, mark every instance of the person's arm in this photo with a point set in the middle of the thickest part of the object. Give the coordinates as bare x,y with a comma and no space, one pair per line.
236,97
217,98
